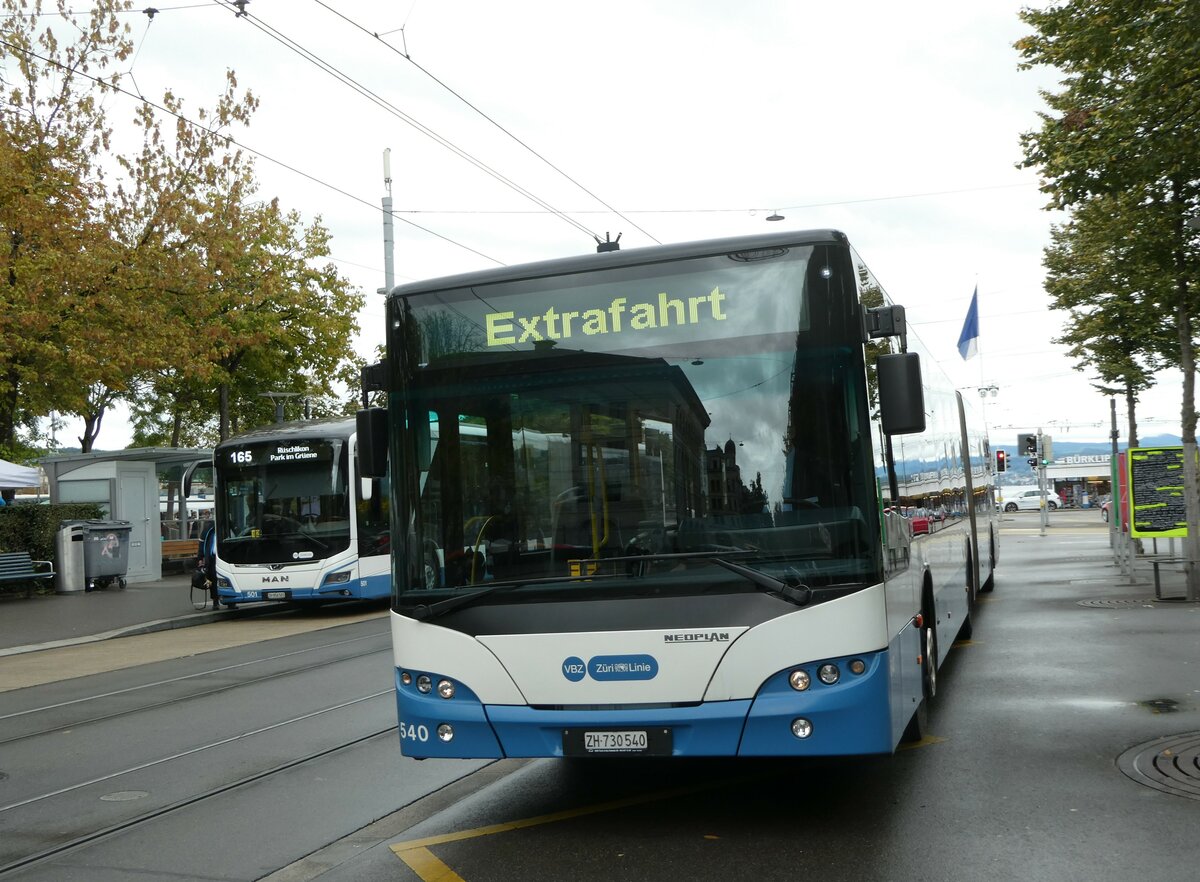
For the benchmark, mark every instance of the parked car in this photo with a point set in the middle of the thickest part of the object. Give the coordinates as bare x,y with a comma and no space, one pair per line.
1032,500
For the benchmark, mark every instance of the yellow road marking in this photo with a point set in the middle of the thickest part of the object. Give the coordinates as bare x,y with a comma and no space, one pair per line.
422,862
415,853
924,742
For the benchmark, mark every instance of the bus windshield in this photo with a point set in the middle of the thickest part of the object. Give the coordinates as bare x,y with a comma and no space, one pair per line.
611,432
282,501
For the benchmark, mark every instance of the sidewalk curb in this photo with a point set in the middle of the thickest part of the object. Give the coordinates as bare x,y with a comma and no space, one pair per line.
187,621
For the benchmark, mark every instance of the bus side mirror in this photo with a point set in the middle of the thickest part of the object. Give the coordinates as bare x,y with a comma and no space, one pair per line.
372,442
901,399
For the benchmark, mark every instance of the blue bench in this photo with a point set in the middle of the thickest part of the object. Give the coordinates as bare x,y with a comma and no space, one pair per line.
17,567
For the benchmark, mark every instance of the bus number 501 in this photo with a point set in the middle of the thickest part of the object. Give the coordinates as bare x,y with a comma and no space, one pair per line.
409,732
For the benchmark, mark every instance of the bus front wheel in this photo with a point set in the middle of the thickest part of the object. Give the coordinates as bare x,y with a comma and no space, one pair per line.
929,659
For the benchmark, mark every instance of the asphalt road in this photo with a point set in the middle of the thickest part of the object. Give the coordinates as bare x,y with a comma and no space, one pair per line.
278,760
226,764
1041,766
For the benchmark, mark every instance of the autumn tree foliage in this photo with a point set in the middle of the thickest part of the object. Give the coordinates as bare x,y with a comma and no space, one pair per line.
159,277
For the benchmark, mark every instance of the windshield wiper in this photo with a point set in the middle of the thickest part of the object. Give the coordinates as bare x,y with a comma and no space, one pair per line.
799,594
424,612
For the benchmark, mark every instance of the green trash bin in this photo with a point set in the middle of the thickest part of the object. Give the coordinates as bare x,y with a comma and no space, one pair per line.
105,553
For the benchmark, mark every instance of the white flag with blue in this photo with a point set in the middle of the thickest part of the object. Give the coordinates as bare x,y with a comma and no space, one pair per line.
968,340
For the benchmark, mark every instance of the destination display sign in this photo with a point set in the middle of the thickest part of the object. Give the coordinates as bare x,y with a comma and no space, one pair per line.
280,452
626,308
663,311
1156,492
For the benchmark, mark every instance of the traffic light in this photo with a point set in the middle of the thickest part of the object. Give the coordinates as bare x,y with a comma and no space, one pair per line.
1001,461
1047,452
1027,444
1033,463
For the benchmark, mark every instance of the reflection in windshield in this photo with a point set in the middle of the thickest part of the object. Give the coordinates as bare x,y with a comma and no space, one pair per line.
728,422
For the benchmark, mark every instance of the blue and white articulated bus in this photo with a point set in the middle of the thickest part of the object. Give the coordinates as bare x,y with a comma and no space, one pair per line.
294,521
653,502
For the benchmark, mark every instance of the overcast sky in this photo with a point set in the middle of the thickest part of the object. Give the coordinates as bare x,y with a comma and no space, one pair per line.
896,123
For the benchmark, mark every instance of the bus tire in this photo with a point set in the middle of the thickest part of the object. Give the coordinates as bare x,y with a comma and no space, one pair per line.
929,654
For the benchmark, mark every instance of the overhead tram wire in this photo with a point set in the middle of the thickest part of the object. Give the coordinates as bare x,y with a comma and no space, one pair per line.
277,162
386,105
408,58
131,11
744,209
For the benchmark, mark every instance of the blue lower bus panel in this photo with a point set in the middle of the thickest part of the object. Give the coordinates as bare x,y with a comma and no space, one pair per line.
851,716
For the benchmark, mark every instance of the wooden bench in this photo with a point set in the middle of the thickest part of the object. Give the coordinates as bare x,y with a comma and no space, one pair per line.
187,550
17,567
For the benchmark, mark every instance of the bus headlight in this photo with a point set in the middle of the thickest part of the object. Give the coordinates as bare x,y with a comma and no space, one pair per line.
857,666
799,680
424,684
445,688
801,727
223,582
338,578
829,674
445,732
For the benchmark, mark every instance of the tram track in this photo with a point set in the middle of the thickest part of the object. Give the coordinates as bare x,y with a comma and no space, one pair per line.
170,681
144,818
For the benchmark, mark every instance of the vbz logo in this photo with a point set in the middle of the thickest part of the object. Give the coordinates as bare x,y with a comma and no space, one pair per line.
574,669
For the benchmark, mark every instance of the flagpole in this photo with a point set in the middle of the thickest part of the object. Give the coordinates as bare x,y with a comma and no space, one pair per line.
983,383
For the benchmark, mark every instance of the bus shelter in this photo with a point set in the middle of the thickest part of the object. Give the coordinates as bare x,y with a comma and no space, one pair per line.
128,485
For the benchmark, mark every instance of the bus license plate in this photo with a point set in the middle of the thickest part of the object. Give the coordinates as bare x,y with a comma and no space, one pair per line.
644,742
275,595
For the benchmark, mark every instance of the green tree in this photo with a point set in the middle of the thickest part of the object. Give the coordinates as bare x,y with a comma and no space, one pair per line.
1124,125
1099,270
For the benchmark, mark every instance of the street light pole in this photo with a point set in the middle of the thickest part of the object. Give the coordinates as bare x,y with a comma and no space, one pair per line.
389,275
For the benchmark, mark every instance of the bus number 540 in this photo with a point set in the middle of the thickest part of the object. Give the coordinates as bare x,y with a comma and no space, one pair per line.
409,732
